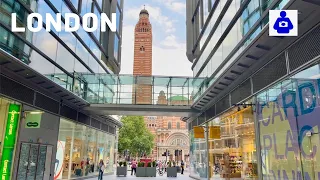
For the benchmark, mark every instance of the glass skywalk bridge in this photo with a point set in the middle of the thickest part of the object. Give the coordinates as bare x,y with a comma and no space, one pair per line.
130,89
133,95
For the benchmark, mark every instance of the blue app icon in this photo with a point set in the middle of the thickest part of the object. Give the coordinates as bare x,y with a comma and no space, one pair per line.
283,24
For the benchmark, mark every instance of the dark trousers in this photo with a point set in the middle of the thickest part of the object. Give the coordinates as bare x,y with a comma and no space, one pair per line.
182,169
135,171
100,175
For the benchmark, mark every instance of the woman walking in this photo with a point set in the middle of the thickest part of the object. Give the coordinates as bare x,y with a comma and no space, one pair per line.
133,167
101,169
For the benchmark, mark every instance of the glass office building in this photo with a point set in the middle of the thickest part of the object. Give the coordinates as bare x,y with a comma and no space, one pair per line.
260,97
44,132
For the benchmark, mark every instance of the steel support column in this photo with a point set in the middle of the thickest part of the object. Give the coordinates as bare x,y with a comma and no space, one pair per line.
152,91
135,89
207,148
257,136
118,93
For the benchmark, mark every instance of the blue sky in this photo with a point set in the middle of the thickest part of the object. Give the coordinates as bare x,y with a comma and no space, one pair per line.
169,36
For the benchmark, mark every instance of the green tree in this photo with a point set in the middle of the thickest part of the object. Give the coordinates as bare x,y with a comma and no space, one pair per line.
134,136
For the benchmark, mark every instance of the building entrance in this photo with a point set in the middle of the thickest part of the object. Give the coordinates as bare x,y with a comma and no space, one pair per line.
34,161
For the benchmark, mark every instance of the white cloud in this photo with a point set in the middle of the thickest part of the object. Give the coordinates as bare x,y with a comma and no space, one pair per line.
156,17
171,42
174,5
127,50
170,62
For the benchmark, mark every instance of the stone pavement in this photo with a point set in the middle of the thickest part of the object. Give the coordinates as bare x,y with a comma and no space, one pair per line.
185,176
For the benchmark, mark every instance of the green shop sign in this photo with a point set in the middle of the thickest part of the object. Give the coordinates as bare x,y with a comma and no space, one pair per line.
9,141
33,120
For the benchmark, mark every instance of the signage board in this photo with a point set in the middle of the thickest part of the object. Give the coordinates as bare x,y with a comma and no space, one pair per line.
214,132
198,132
9,141
33,120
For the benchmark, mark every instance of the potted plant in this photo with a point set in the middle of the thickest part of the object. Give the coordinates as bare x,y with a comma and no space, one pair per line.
141,170
122,170
171,171
151,170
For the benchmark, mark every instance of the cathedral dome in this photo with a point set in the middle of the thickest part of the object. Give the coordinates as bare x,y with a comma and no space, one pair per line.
144,11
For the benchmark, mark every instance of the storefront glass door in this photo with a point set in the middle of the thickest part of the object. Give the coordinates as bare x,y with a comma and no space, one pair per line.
310,167
34,161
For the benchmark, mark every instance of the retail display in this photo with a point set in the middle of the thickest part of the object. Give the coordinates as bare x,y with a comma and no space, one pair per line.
233,155
231,166
252,170
83,150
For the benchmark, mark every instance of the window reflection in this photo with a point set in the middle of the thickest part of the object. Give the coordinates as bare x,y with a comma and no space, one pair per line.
65,58
97,32
75,3
86,7
45,42
198,156
297,116
118,19
248,18
116,46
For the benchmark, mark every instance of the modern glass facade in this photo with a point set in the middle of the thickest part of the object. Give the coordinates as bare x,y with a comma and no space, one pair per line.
64,54
42,143
263,123
218,47
276,134
289,127
80,149
35,144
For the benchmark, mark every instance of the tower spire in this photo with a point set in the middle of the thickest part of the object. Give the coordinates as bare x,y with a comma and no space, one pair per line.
144,7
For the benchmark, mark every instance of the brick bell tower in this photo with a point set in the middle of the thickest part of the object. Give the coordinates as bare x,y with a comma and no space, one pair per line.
142,65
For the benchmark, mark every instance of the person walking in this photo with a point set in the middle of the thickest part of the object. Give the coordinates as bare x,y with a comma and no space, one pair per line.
133,167
101,169
182,166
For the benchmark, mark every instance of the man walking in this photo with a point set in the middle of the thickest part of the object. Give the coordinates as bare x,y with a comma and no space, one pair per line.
182,166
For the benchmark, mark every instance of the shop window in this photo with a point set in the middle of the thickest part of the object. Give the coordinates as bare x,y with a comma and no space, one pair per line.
233,135
83,147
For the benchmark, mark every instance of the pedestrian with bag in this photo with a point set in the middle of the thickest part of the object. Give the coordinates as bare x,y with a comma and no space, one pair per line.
133,167
182,166
101,169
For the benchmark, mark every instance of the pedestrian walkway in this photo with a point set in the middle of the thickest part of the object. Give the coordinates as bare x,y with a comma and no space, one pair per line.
185,176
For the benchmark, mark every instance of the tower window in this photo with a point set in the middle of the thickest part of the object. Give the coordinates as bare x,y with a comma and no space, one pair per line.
142,49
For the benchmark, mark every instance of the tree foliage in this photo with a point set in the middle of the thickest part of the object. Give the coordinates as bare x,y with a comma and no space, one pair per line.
134,136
